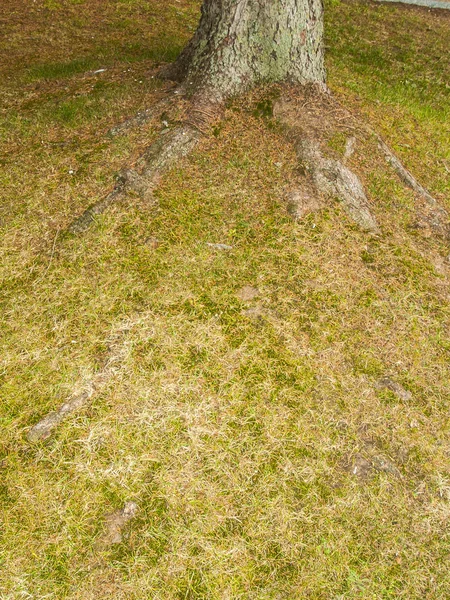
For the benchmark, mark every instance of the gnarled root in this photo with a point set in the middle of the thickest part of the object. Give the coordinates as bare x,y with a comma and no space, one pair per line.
309,117
326,177
161,155
172,145
436,216
85,220
303,201
142,117
45,427
332,178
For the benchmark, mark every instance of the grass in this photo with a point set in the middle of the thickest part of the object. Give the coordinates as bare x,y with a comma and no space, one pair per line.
236,432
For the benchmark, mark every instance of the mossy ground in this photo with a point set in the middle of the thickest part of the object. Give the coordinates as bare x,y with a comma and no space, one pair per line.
235,431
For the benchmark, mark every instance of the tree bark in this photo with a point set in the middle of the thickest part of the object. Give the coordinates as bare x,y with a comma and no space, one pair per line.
240,43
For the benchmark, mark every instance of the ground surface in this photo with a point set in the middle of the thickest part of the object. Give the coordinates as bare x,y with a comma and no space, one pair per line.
243,440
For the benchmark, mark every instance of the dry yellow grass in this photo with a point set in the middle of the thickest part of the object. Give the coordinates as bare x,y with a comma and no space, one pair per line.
264,459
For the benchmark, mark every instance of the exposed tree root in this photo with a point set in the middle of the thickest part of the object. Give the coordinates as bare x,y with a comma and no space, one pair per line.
44,428
437,217
434,214
327,177
115,524
144,116
164,153
311,117
303,201
403,173
386,383
85,220
138,120
332,178
170,147
86,389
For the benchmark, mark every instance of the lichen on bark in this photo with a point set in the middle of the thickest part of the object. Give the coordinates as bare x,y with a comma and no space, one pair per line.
240,43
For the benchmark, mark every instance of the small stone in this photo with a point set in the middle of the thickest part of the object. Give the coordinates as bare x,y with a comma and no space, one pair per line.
360,467
152,243
350,146
385,383
115,523
223,247
248,293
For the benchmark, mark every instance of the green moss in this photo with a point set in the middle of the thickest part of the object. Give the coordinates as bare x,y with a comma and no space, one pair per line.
62,70
233,425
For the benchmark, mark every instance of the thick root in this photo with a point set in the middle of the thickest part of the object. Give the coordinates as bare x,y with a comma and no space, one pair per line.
326,177
127,181
407,178
145,116
85,220
160,156
115,523
171,146
303,201
435,214
333,179
166,152
310,117
44,428
138,120
87,388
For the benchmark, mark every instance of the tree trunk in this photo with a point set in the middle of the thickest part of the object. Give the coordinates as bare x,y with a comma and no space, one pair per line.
243,42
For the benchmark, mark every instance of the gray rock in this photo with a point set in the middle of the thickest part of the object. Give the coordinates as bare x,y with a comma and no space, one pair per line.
385,383
115,524
223,247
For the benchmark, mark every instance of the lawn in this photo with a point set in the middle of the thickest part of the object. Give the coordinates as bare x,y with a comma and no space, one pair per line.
274,412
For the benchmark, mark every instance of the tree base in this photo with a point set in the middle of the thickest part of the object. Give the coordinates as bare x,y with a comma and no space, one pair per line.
242,44
310,119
